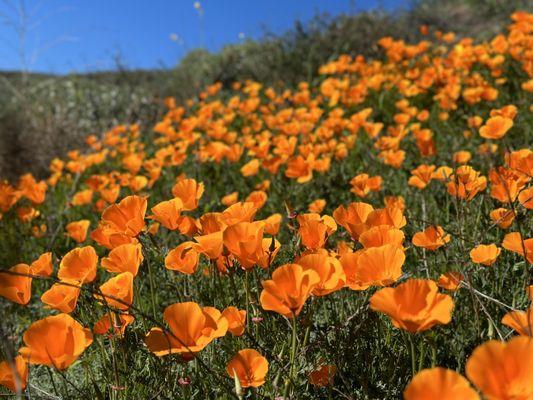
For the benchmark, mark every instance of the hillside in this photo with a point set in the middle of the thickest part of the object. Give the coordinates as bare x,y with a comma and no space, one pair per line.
43,116
361,231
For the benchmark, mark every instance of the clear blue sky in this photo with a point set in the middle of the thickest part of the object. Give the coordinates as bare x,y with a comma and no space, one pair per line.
87,35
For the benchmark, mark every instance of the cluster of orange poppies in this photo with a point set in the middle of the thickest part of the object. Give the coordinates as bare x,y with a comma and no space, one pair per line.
287,137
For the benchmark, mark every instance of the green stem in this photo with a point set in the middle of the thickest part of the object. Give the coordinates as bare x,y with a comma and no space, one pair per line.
152,292
292,366
413,354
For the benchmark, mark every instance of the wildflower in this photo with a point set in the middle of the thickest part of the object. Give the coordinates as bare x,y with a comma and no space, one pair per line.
421,176
245,241
450,280
503,370
79,265
62,296
250,367
329,270
55,341
466,182
380,235
191,327
183,258
77,230
168,213
288,289
126,257
14,379
236,320
363,184
43,265
117,292
353,218
15,285
323,376
439,383
520,321
115,322
431,238
485,254
415,305
496,127
314,229
502,217
513,242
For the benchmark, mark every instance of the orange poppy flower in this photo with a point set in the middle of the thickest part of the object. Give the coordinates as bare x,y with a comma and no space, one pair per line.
27,214
251,168
349,264
462,157
485,254
506,184
236,320
421,176
211,245
314,229
525,197
258,198
439,383
415,305
239,212
168,213
381,235
16,288
31,189
117,292
513,242
502,217
431,238
55,341
188,226
249,366
192,329
496,127
363,184
288,289
450,280
62,297
323,376
79,265
300,169
377,266
353,218
127,217
391,216
466,182
394,202
15,379
82,197
189,191
272,224
43,265
230,199
520,321
328,269
115,322
503,370
126,257
183,258
77,230
317,206
270,249
245,241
